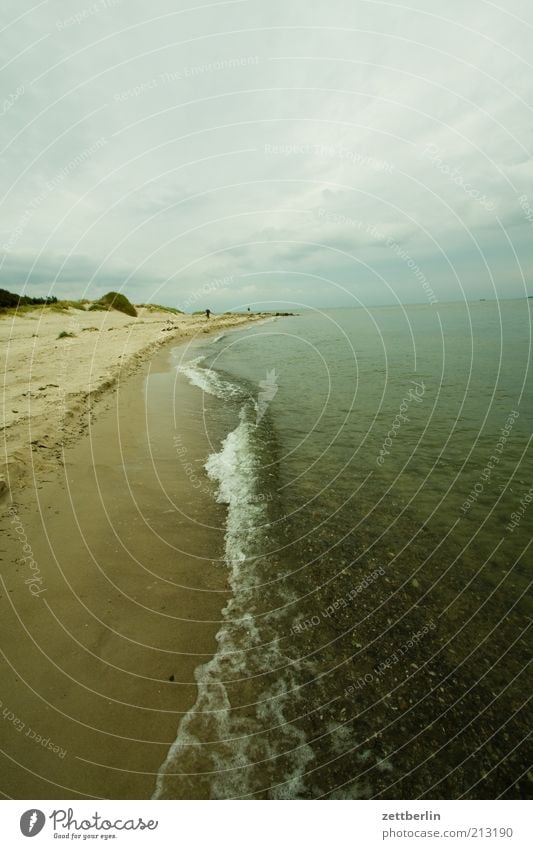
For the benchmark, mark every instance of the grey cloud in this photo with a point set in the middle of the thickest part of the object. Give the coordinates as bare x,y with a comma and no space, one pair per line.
154,142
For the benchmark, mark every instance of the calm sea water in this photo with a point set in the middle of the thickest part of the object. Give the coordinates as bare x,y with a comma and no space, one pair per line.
374,470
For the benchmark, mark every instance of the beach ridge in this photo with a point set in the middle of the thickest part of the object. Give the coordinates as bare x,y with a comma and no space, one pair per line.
56,366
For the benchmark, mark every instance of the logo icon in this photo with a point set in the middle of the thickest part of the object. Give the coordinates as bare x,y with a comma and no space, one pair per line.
32,822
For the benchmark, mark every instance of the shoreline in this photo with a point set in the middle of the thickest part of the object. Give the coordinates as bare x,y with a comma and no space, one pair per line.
119,595
51,384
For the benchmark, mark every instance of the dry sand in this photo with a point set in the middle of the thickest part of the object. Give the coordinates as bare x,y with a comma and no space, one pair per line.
111,580
49,383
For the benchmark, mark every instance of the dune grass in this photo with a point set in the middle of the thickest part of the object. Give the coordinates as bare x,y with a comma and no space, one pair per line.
112,300
59,306
115,301
160,308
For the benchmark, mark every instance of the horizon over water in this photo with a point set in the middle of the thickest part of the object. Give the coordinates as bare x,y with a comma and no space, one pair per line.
324,308
372,463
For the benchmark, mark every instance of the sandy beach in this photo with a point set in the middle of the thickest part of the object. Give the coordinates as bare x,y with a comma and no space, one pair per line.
111,584
49,383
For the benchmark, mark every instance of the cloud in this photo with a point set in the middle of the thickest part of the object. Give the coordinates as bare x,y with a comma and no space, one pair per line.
155,147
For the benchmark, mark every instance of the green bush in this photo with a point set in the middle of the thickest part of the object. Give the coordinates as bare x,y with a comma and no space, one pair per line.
65,334
19,304
9,300
116,301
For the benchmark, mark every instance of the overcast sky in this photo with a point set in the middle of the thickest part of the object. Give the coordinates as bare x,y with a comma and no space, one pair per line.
257,152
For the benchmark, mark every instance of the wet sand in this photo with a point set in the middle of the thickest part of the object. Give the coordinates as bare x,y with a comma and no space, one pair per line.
117,601
56,364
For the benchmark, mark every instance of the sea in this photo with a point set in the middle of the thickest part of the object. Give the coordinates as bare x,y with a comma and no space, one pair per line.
372,469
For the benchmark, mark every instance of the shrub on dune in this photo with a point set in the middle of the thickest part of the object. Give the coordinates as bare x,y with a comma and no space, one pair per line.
115,301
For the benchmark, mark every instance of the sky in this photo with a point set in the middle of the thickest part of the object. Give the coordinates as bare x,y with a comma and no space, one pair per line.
280,154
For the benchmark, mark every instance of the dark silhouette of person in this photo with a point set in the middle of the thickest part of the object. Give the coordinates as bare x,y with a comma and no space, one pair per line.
208,313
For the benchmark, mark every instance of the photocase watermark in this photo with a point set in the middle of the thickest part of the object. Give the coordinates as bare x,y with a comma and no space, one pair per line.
185,73
189,469
411,264
87,12
494,459
385,665
200,485
525,206
267,392
338,218
206,289
400,417
11,717
9,101
34,580
372,230
50,187
435,155
518,515
340,602
329,151
66,825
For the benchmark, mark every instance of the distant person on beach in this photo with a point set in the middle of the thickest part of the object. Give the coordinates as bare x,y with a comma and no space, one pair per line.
208,313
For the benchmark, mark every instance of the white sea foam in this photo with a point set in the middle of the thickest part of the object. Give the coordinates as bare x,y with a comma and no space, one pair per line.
235,467
260,752
209,381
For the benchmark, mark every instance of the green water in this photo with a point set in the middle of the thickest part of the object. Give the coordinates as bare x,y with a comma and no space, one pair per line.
377,484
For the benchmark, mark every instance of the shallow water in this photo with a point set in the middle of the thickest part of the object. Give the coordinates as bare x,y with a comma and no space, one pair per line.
373,465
